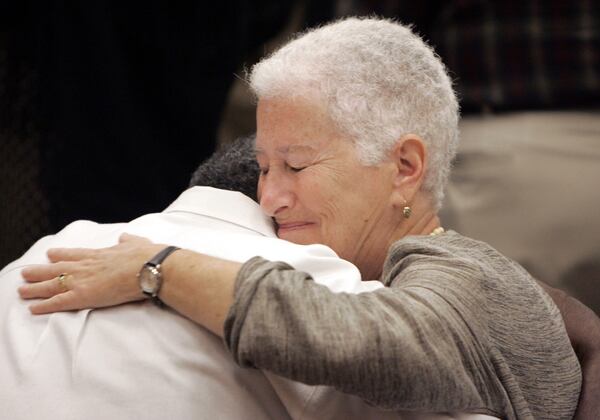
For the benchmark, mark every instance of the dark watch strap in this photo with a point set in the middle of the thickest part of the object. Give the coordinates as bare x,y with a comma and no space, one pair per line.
162,255
156,261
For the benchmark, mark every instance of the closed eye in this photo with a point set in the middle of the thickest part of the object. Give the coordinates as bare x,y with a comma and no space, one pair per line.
296,168
293,169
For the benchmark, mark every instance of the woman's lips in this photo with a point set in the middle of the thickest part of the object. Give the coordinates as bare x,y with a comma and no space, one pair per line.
289,227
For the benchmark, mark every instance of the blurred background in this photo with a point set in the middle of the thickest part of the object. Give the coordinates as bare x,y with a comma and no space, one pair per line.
106,108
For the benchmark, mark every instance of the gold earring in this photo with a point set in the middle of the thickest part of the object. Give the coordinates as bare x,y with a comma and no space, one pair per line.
406,211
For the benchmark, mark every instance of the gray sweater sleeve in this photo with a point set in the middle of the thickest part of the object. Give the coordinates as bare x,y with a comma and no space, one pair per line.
424,343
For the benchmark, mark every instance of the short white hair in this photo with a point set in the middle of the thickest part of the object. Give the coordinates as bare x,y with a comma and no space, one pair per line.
379,81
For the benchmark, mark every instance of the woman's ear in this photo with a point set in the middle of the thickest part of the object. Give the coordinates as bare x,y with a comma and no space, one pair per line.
409,156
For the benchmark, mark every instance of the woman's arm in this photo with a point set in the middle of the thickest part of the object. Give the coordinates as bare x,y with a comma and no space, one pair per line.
198,286
356,343
397,349
202,288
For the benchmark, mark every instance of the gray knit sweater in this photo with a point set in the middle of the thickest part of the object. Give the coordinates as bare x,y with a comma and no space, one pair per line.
459,328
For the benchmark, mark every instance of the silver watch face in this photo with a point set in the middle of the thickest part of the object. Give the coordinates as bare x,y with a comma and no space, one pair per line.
149,279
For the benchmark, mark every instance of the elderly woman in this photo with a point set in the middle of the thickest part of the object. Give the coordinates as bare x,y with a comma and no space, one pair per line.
356,129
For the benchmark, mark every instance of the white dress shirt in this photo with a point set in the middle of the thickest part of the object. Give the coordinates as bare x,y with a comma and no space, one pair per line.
138,361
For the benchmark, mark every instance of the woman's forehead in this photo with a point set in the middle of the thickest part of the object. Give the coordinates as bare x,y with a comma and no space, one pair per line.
289,149
296,116
293,127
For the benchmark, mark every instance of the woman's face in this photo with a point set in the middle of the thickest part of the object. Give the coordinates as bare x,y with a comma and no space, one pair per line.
316,190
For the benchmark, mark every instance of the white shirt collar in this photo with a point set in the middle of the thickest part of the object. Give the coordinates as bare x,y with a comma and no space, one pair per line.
230,206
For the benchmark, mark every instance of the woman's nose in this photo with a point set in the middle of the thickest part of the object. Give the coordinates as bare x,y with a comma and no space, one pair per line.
274,195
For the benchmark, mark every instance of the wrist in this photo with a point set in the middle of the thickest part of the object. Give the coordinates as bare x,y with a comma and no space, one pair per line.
150,277
200,287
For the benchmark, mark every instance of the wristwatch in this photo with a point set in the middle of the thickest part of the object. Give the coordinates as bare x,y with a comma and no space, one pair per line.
150,276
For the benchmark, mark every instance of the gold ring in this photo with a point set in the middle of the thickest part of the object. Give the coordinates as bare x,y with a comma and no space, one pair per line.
62,281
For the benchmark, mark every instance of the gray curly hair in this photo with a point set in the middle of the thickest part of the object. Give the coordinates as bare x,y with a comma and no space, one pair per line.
379,82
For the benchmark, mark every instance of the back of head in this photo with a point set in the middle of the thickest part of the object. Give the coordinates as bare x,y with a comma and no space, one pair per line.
378,81
232,168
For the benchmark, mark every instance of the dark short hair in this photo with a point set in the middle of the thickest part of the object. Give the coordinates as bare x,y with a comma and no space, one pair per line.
233,167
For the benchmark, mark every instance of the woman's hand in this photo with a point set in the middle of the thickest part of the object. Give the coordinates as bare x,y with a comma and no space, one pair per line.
92,278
